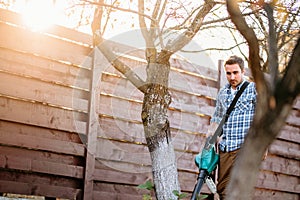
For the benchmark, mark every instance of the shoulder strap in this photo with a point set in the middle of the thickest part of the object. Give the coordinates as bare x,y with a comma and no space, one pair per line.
237,96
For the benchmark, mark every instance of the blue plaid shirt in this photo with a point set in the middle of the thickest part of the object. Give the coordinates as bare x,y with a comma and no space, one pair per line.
239,121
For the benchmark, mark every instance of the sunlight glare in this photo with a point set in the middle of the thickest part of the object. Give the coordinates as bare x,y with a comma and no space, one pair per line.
39,15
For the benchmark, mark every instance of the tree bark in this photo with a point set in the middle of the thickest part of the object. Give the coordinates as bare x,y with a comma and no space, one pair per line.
157,131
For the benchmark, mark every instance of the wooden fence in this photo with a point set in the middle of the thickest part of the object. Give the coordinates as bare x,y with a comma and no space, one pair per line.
70,124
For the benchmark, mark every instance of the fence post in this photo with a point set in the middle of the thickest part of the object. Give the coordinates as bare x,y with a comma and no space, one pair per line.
92,126
221,75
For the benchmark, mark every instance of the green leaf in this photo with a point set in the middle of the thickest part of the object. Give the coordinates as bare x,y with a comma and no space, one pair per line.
147,197
179,195
203,196
148,185
182,195
176,192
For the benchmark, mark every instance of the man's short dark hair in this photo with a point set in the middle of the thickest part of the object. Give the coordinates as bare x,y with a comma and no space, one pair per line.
235,60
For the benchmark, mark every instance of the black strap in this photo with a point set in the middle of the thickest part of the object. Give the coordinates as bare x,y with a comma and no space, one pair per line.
237,96
212,139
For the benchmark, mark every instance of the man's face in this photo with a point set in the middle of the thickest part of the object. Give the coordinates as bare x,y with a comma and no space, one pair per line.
234,75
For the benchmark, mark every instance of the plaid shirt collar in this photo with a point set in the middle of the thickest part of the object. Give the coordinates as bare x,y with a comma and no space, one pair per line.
228,86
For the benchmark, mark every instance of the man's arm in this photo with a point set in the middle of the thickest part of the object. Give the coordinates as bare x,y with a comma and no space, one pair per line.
212,128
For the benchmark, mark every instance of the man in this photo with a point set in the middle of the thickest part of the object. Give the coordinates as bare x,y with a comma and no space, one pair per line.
239,121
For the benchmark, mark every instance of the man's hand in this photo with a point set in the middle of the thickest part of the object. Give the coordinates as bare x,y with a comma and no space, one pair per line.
216,196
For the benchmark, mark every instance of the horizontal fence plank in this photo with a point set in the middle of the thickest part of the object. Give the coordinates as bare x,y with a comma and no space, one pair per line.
33,165
42,115
40,143
116,195
125,152
39,190
43,92
17,128
194,69
30,160
54,71
292,153
119,108
40,185
117,191
281,165
294,118
52,48
123,177
43,155
263,194
191,84
278,182
123,130
122,166
192,103
288,133
188,121
285,149
118,86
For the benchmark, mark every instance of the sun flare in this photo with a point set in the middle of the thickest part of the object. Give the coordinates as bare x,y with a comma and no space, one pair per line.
39,15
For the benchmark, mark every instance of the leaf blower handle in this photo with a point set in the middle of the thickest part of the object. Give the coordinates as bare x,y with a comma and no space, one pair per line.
200,181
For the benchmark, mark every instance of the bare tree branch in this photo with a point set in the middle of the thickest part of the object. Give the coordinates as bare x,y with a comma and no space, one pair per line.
150,47
273,51
117,8
122,67
289,86
154,24
213,49
224,19
109,54
96,24
186,37
143,26
159,32
288,27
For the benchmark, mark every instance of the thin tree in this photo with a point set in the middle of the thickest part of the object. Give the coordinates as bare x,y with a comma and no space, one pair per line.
155,88
275,97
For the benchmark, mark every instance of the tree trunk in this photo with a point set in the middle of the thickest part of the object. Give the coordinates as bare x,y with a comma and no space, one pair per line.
157,131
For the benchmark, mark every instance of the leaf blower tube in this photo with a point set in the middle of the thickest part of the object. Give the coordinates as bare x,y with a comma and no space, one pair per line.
207,162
